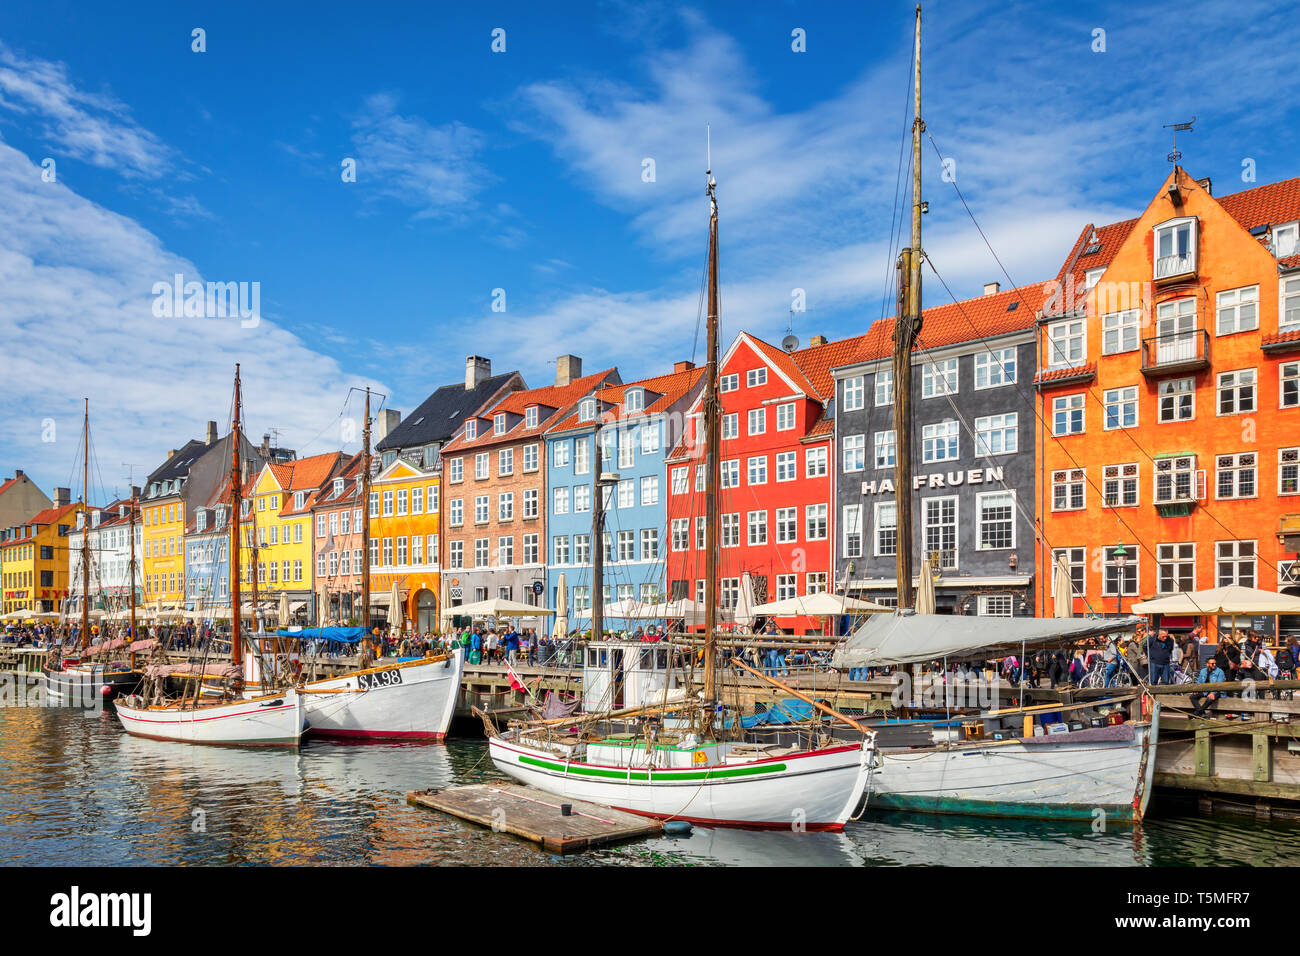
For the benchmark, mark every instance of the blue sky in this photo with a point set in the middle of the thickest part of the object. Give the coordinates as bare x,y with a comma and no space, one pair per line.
522,171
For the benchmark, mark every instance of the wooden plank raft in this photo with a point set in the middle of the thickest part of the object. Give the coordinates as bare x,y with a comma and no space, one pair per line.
536,815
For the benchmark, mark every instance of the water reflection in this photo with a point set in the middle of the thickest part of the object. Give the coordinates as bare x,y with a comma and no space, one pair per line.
78,791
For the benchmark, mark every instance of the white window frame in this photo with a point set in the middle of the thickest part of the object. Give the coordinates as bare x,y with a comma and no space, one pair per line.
1120,332
940,378
1123,398
997,367
1232,303
980,519
1174,264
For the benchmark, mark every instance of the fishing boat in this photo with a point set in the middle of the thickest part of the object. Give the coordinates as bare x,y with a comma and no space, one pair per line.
661,749
1047,761
268,719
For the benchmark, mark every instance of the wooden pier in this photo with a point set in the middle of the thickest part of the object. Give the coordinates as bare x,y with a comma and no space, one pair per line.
538,816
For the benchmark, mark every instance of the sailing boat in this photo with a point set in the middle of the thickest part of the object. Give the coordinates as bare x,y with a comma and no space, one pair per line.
70,679
266,720
686,759
1051,761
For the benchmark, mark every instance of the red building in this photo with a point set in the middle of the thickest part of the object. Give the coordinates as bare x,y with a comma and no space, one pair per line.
777,494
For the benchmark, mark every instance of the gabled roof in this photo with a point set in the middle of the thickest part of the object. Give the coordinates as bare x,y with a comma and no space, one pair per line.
178,465
48,516
665,389
325,496
552,401
440,415
1094,249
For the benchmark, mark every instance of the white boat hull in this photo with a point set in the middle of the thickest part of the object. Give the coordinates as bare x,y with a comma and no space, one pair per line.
275,721
813,790
1045,779
407,701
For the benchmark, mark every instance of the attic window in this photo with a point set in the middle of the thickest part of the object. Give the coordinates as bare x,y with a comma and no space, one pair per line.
1285,240
530,416
635,400
499,423
587,410
338,486
418,420
471,428
1093,249
1013,305
1259,230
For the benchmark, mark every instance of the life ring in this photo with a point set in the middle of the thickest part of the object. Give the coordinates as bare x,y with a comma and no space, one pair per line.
700,757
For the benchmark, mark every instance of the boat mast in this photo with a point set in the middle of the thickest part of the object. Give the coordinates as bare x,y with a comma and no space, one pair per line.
365,521
906,328
130,568
598,540
712,434
236,506
85,528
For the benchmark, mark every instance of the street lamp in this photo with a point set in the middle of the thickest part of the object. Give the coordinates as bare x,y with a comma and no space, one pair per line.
1121,562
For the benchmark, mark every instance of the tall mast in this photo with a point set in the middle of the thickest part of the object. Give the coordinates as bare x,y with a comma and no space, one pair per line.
712,434
130,568
365,521
598,543
906,329
236,506
85,528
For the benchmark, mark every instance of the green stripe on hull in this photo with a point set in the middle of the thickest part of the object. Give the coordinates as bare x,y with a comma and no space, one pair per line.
662,776
991,808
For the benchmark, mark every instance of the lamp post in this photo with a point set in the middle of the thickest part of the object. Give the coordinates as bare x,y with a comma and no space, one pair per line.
1121,562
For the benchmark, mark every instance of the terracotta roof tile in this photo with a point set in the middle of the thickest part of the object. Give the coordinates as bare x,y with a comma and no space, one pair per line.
669,389
1071,372
556,397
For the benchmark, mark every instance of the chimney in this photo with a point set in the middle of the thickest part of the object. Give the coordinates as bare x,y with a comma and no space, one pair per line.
212,433
1205,184
135,491
171,453
62,496
477,370
816,340
567,369
385,422
18,473
264,449
991,288
683,366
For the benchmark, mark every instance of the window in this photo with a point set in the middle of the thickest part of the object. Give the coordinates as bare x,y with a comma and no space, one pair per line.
417,549
816,582
939,442
681,531
1175,248
1119,332
731,473
755,377
699,533
581,549
1285,240
729,383
481,509
785,417
471,429
401,501
530,416
731,530
785,466
581,457
787,525
1175,479
1288,385
997,521
1076,561
1177,400
852,531
401,551
758,470
854,393
1288,471
480,552
939,378
884,387
854,452
996,434
680,477
757,523
1121,407
1067,343
814,460
649,544
1238,310
561,501
1120,580
731,426
505,552
885,449
1234,475
650,438
320,527
506,461
456,470
1119,485
626,450
995,368
994,605
456,512
530,503
456,554
635,399
939,526
757,421
1289,309
388,553
815,519
650,490
560,454
786,586
481,465
587,410
1067,415
417,501
1237,392
626,493
1175,567
506,506
1068,489
388,503
1235,563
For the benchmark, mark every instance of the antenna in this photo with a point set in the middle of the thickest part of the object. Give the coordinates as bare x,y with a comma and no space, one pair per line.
1174,155
791,341
709,181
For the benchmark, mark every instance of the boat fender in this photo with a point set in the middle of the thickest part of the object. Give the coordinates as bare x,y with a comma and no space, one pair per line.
105,690
274,703
700,757
446,662
677,828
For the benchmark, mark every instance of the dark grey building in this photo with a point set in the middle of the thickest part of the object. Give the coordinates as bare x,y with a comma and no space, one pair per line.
972,458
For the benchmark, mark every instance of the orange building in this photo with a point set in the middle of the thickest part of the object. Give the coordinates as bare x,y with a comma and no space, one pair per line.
1169,392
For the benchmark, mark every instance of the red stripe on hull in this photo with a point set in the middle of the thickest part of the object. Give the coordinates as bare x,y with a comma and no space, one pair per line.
215,743
736,824
377,734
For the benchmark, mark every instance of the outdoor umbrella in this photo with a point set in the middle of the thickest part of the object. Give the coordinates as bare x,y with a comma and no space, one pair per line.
925,602
561,609
1062,589
1233,599
396,612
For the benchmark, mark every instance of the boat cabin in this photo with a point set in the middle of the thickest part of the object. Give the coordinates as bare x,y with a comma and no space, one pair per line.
620,674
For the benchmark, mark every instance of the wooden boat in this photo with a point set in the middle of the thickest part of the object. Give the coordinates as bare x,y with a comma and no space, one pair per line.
674,755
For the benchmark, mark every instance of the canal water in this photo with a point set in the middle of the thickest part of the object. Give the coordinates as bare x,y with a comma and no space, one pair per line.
75,790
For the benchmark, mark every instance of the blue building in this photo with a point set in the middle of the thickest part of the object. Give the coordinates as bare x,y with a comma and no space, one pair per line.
207,560
624,430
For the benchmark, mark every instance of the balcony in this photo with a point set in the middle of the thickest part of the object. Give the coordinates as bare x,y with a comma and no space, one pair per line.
1176,352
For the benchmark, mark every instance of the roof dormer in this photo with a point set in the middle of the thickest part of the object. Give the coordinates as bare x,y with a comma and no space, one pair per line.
634,400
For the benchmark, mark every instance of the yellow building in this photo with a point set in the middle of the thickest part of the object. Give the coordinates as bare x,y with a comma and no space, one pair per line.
276,532
34,560
163,563
405,547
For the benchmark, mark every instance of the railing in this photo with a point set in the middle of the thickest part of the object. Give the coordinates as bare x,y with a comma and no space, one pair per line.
1169,266
1176,351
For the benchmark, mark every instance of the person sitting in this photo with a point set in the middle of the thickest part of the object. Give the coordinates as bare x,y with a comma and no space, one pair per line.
1211,673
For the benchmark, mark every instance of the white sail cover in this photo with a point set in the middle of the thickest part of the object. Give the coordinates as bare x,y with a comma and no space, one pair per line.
908,638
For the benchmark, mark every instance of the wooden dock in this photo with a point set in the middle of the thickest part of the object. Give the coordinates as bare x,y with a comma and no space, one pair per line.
537,816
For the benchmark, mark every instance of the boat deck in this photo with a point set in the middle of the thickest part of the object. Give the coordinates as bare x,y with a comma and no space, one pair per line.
537,816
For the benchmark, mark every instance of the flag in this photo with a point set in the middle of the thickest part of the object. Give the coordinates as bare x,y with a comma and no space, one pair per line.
515,682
